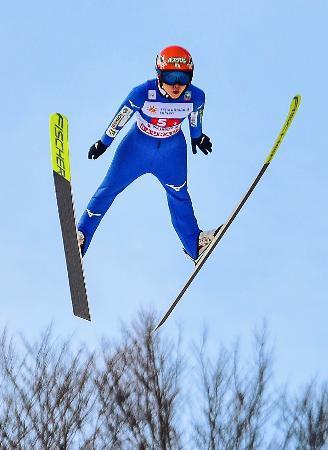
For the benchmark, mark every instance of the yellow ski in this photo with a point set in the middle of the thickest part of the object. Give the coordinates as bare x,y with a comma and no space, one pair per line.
65,204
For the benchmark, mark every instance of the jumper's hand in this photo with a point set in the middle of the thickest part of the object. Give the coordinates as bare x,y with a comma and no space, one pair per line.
203,143
97,150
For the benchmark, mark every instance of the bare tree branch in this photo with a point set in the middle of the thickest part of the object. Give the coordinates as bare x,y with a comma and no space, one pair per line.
235,407
131,395
138,390
303,420
47,396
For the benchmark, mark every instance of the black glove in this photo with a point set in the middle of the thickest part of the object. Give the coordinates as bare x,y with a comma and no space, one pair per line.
97,150
203,143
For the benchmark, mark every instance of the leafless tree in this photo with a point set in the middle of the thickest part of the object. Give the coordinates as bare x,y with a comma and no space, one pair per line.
138,391
126,398
235,399
46,394
303,421
131,394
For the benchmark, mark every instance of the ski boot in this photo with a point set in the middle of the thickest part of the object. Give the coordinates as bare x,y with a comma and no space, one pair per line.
80,240
204,240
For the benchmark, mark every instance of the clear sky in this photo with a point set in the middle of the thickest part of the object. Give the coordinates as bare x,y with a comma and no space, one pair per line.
81,58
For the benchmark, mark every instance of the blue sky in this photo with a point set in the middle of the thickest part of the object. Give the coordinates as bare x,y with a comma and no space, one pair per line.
81,59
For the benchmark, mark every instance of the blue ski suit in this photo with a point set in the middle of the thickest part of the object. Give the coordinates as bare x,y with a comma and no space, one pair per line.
155,144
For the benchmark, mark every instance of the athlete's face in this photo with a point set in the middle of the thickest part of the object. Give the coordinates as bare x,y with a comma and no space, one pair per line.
175,90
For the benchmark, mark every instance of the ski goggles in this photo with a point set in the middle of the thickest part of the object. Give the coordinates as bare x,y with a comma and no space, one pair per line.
173,77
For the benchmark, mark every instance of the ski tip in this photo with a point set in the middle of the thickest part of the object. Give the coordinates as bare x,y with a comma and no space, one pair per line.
291,114
58,128
55,115
296,100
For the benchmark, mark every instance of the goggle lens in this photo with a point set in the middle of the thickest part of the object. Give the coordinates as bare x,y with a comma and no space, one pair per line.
173,77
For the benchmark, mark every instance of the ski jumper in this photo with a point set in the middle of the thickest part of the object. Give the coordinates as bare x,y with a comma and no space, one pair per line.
155,144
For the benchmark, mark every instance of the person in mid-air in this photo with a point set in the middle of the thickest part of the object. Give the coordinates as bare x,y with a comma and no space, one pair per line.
155,144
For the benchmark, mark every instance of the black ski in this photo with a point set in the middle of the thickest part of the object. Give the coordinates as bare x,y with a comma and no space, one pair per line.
222,230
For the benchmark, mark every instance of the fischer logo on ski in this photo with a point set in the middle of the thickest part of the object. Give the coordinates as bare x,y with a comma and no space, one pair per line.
59,143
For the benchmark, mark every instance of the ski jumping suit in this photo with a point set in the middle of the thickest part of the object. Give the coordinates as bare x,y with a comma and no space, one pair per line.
155,144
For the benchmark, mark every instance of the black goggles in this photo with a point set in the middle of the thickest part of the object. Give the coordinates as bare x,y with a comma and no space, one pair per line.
173,77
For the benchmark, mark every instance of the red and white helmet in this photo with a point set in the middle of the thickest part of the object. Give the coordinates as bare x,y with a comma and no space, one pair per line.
174,65
174,58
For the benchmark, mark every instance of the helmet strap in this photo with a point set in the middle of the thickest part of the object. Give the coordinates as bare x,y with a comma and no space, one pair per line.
161,88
